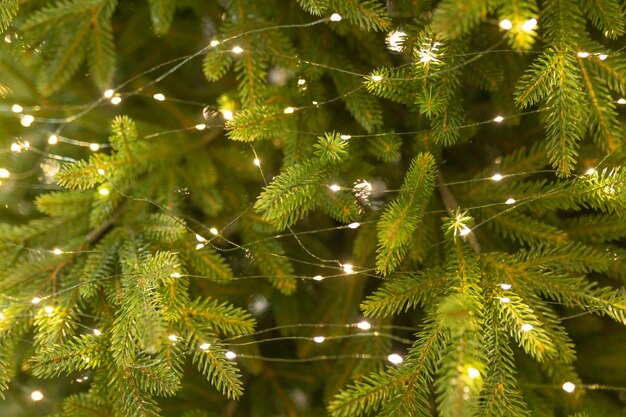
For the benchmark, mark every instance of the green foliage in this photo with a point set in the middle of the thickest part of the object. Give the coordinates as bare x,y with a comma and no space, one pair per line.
7,13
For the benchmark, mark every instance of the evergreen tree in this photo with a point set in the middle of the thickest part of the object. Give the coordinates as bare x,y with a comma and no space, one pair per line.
335,208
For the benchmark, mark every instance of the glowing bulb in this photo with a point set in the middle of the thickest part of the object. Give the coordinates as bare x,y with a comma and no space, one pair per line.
158,97
27,120
506,24
100,171
465,231
257,162
347,268
334,188
35,300
505,300
583,54
49,309
228,114
289,110
97,332
335,17
505,287
354,225
109,93
498,119
395,40
527,327
377,78
318,277
473,373
172,337
57,251
301,81
116,100
621,101
230,355
497,177
602,57
569,387
364,325
199,246
205,346
94,146
237,50
15,147
4,173
529,25
104,191
345,137
175,275
214,43
214,231
395,358
53,139
1,316
200,126
510,201
36,396
590,171
319,339
16,108
200,238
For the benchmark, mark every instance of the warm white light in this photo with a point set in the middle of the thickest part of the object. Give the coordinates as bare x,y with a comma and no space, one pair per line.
583,54
289,110
505,300
36,396
395,358
590,171
228,114
335,17
376,78
159,97
57,251
16,108
172,337
237,50
175,275
529,25
109,93
318,277
16,147
1,316
465,231
53,139
345,137
97,332
602,57
319,339
230,355
49,309
116,100
100,171
205,346
569,387
8,39
199,246
94,146
527,327
27,120
497,177
473,373
301,81
104,191
425,57
200,238
214,231
505,287
35,300
334,188
621,101
200,126
257,162
498,119
506,24
395,40
354,225
4,173
364,325
214,43
347,268
510,201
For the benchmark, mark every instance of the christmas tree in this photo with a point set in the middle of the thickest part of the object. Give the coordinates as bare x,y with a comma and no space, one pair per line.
335,208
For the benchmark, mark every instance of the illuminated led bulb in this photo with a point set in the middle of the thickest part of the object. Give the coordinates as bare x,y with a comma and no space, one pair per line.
498,119
200,238
289,110
505,300
473,373
395,40
35,300
510,201
172,337
16,108
364,325
205,346
199,246
214,231
36,396
621,101
529,25
347,268
334,188
335,17
301,81
505,287
49,309
590,171
228,114
497,177
100,171
376,78
15,147
27,120
116,100
257,162
237,50
1,316
57,251
319,339
200,126
94,146
583,54
53,139
527,327
354,225
318,277
97,332
108,93
230,355
104,191
569,387
4,173
506,24
345,137
175,275
602,57
395,358
214,43
158,97
465,231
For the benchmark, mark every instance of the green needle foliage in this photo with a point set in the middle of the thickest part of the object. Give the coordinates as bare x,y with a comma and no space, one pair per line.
201,201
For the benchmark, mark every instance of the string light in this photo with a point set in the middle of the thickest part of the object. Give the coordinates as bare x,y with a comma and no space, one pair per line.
116,100
529,25
318,277
345,137
228,114
395,40
354,225
4,173
200,126
57,251
35,300
36,396
108,93
53,139
205,346
49,309
214,43
569,387
237,50
510,201
159,97
497,177
364,325
94,146
498,119
16,108
230,355
347,268
104,191
465,231
214,231
97,332
505,287
335,17
172,337
473,373
199,246
301,81
621,101
257,162
506,24
27,120
100,171
319,339
175,275
590,171
334,188
395,359
377,78
583,54
602,57
527,327
289,110
505,300
200,238
1,316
